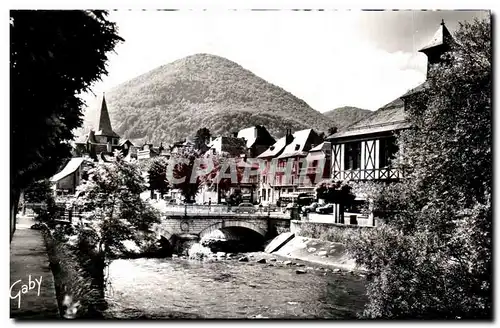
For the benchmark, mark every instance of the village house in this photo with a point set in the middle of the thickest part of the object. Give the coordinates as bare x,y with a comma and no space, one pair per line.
365,150
96,145
66,181
257,140
274,187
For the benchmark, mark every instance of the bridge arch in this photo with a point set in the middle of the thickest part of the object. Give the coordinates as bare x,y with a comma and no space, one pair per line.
160,232
231,224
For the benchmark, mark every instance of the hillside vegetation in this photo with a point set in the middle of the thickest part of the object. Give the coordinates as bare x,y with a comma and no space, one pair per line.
347,115
172,101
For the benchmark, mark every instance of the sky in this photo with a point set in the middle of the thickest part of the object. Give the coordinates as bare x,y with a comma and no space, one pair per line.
328,58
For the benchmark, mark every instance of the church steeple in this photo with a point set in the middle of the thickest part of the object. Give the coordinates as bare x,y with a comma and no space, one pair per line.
440,43
104,123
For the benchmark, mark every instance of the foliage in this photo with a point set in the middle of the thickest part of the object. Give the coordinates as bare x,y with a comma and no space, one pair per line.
202,138
433,258
345,116
181,170
330,232
157,171
72,282
45,82
172,101
335,191
116,211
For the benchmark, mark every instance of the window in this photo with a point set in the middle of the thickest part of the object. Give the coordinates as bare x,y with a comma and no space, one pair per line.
269,194
352,158
263,194
387,151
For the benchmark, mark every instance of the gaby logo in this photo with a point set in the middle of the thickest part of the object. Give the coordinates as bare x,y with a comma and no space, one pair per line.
18,289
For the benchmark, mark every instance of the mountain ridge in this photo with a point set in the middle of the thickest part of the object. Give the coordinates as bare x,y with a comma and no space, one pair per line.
172,101
346,116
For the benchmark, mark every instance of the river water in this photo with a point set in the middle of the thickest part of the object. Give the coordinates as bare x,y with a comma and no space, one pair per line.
181,288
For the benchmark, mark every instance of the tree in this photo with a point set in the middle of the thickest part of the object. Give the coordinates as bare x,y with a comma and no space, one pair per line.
433,257
202,138
54,57
157,175
337,192
332,130
111,197
181,167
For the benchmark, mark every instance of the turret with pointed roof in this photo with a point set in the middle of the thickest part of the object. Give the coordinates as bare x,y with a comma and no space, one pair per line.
441,42
103,127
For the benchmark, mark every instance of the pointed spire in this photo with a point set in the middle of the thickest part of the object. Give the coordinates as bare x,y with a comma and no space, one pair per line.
441,38
104,123
441,42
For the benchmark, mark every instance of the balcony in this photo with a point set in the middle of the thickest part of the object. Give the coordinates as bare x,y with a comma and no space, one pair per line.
386,173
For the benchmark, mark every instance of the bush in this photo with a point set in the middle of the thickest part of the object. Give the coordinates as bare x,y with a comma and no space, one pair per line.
75,294
331,232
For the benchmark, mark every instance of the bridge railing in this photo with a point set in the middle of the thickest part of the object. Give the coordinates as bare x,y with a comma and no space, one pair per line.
217,210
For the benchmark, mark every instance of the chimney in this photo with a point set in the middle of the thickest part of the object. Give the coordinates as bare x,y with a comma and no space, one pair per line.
288,136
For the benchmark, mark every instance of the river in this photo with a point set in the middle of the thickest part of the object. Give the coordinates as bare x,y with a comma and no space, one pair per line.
228,289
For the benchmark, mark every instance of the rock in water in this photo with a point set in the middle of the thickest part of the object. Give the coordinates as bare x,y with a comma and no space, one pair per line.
287,263
261,260
300,264
272,259
299,271
311,250
336,270
323,253
243,259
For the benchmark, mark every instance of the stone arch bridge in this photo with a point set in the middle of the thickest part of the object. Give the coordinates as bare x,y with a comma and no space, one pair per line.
232,227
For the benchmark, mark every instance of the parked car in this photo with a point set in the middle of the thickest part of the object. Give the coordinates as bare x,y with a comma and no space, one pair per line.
326,209
310,208
244,208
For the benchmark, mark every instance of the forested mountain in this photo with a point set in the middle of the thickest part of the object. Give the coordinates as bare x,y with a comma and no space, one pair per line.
347,115
172,101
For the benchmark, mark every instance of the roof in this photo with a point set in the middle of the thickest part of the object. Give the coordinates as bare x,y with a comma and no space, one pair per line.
231,145
274,149
371,130
121,142
81,139
388,118
249,134
297,146
71,167
318,147
104,123
441,37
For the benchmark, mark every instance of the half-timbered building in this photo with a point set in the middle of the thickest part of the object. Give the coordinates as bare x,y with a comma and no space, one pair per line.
365,150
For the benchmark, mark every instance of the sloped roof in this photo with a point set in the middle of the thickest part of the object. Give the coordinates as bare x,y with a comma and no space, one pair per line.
274,149
299,138
121,142
319,147
104,123
389,117
71,167
249,134
81,139
441,37
230,145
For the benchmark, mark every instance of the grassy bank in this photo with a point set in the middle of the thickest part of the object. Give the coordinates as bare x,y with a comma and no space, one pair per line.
76,296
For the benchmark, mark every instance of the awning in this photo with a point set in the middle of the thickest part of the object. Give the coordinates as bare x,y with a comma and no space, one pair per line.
71,167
